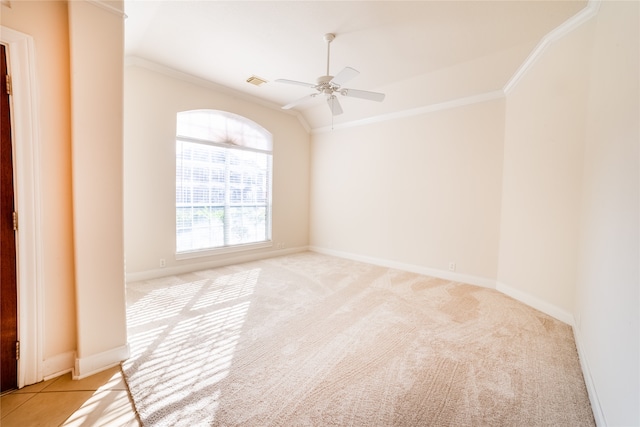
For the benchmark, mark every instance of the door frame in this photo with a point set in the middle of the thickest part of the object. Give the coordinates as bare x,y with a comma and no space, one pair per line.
26,152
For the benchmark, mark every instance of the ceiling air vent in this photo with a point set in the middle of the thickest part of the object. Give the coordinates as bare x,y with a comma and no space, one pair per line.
255,80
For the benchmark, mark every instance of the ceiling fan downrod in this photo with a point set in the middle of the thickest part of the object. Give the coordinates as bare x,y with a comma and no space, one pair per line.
329,38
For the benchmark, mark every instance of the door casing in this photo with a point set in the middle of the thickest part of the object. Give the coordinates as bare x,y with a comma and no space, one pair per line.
26,144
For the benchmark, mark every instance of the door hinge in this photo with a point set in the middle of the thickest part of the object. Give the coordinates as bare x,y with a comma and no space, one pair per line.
8,79
15,220
17,350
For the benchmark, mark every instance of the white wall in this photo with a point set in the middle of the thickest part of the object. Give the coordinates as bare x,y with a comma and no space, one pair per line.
419,191
96,51
607,297
152,99
541,184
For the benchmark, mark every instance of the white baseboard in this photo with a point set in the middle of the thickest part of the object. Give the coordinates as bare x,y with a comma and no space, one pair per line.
598,415
60,364
215,263
87,366
418,269
537,303
525,298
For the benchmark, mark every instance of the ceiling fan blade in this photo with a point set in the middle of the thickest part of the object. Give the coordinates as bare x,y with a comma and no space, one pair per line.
334,105
294,82
344,76
299,101
364,94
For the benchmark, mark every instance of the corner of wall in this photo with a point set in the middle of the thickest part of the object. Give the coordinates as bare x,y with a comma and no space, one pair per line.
537,303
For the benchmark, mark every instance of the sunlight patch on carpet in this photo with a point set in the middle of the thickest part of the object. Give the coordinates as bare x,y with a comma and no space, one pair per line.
182,337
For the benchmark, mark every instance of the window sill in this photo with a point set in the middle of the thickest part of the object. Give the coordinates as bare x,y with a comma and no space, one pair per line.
220,251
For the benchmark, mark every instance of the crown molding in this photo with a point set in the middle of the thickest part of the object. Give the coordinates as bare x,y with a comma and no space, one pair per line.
454,103
137,61
108,6
558,33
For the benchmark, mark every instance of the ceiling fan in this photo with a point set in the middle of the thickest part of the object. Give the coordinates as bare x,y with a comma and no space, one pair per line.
329,86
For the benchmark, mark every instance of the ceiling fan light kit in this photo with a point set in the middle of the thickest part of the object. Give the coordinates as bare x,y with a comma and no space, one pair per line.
329,85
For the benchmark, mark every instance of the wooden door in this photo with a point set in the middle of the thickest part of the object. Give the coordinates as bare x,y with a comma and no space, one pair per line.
8,283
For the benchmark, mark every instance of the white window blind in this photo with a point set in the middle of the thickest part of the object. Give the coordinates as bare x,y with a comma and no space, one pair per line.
223,181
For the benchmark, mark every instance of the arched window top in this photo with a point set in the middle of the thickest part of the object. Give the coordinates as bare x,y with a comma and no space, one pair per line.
221,127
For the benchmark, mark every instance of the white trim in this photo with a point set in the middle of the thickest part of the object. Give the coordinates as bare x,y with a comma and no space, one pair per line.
223,250
598,414
188,268
26,145
558,33
58,365
108,7
537,303
87,366
454,103
413,268
524,298
136,61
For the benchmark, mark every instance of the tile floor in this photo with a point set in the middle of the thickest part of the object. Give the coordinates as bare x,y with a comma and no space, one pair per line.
98,400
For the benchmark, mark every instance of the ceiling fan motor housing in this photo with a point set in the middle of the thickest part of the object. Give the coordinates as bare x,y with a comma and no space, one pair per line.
324,85
324,80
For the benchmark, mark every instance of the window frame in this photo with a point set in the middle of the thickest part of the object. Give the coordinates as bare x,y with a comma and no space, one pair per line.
228,143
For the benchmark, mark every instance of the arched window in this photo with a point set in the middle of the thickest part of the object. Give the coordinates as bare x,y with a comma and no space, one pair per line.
223,181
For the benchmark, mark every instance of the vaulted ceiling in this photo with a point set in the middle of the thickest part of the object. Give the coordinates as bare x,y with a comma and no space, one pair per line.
418,53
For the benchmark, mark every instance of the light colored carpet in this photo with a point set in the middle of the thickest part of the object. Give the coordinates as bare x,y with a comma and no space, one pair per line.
314,340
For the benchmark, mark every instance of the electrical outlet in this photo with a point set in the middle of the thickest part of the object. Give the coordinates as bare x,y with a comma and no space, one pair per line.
452,266
163,263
